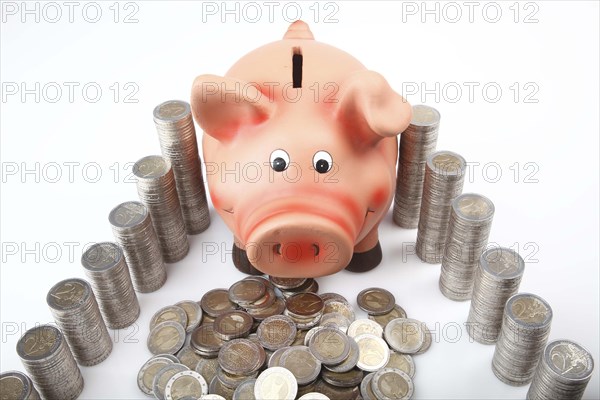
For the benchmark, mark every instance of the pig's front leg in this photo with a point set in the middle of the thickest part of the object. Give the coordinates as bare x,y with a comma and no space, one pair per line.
240,259
367,253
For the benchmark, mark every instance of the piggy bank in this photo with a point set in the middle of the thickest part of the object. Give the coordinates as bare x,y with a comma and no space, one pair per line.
300,145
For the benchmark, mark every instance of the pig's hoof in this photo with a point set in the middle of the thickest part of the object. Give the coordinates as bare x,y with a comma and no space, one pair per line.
363,262
241,262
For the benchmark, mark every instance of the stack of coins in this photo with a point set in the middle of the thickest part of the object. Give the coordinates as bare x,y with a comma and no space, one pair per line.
75,310
444,178
48,360
17,385
563,372
497,278
177,137
257,296
468,233
304,309
524,333
107,270
133,231
290,286
417,142
156,189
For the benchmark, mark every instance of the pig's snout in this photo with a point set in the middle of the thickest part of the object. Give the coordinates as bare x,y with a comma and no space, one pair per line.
299,245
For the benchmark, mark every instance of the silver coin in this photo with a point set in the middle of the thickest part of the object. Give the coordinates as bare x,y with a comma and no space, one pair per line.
397,312
391,383
169,313
366,390
245,391
193,312
350,361
276,383
361,326
188,357
373,352
330,346
405,335
403,362
166,337
17,385
145,378
241,357
186,383
207,367
336,320
162,377
302,363
313,396
376,301
276,332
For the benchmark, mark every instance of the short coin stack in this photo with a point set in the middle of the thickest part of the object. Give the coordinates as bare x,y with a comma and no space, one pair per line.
497,278
75,310
105,266
468,233
177,137
444,178
417,142
48,360
311,346
17,385
157,191
563,372
133,231
525,330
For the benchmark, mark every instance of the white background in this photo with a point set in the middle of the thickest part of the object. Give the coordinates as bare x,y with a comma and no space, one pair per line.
548,211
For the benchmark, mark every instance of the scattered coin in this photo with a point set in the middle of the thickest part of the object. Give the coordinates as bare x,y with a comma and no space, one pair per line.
376,301
193,312
169,313
184,384
361,326
17,385
403,362
302,363
276,332
166,337
373,352
349,378
330,346
350,361
397,312
204,341
405,335
149,370
216,302
162,378
245,391
276,383
207,367
391,383
233,324
304,305
241,357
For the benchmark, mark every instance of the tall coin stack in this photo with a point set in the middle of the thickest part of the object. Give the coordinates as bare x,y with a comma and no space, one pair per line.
105,266
417,142
524,333
470,224
444,178
563,372
156,188
76,313
177,136
48,360
17,385
497,278
133,231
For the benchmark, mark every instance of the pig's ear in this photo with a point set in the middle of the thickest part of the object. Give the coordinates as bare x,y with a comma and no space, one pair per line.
221,105
370,108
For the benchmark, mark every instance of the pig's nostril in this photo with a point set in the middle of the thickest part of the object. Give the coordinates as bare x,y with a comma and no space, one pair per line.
316,249
277,248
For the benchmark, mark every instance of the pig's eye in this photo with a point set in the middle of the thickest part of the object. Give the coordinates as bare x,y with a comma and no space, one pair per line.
279,160
322,161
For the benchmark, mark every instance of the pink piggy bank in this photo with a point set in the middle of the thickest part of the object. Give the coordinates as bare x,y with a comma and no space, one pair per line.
300,145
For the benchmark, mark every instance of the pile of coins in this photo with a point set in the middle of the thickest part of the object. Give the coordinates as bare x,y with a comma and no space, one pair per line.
563,372
497,278
133,231
444,178
107,270
468,233
157,191
524,333
417,142
177,137
304,344
75,310
17,385
48,360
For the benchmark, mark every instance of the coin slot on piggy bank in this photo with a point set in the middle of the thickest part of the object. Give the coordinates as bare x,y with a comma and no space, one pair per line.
320,133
